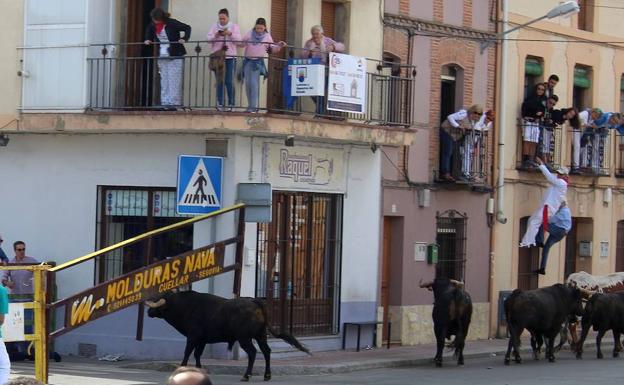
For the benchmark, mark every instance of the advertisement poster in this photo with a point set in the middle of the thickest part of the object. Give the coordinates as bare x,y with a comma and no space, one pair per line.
347,83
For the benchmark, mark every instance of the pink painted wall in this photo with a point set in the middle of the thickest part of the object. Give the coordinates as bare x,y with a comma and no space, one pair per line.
453,12
421,9
481,14
391,6
421,57
420,226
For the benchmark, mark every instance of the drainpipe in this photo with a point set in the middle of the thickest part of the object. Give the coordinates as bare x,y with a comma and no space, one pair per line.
500,215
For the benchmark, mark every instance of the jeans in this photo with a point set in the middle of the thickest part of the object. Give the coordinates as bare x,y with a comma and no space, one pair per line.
5,363
446,152
228,83
252,72
556,234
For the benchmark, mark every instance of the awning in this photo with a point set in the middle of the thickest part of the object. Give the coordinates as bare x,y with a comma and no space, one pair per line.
533,67
581,78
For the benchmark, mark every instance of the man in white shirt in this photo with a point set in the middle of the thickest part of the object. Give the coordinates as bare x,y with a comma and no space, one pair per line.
551,201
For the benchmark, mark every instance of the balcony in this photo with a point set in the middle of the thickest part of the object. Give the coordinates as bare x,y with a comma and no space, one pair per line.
548,147
471,160
591,152
132,83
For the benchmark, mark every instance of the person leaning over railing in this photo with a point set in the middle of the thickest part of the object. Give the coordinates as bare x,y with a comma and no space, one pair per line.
532,114
168,32
547,128
452,131
223,34
319,46
569,115
470,148
5,363
600,131
257,43
593,124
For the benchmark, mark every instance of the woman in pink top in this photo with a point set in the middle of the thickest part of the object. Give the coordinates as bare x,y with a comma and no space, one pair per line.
224,34
257,43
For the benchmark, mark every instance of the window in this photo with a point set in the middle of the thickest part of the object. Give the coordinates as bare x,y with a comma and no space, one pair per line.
622,93
528,260
533,71
451,240
298,262
581,91
125,212
451,95
586,15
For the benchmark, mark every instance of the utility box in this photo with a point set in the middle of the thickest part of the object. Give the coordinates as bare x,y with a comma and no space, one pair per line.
432,253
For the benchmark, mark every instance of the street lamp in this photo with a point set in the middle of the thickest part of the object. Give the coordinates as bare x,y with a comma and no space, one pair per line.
563,9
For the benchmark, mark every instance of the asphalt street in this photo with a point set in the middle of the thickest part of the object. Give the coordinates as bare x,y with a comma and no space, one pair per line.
567,370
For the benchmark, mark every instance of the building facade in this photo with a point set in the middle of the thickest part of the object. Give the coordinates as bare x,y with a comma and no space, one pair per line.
96,160
590,69
441,38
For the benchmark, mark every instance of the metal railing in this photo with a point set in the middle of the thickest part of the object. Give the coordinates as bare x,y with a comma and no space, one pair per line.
547,137
472,158
126,77
619,155
591,151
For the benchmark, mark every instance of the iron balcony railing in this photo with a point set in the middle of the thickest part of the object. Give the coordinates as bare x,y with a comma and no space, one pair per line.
619,155
548,138
472,158
126,77
591,151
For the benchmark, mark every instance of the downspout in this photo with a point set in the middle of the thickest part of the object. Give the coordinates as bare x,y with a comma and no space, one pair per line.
500,215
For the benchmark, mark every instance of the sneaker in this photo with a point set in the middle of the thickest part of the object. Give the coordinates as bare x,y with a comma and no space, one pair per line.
540,271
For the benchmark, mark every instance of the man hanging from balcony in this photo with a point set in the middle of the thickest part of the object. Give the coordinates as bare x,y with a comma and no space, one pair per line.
558,227
453,129
550,203
533,109
167,32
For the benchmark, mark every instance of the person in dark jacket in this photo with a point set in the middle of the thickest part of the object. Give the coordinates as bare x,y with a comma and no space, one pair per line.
167,32
533,109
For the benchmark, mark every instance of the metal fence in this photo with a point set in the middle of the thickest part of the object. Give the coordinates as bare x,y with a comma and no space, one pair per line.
619,155
472,158
126,77
547,139
591,151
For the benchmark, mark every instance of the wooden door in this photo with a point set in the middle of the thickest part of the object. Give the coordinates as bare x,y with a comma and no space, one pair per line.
385,274
277,62
570,254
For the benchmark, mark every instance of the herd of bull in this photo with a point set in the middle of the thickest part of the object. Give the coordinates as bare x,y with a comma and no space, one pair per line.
545,312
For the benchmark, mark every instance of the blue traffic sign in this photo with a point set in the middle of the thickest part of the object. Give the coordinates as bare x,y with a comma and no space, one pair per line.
199,184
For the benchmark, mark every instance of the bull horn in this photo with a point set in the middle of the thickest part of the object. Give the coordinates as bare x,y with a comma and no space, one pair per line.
586,293
457,284
426,285
154,305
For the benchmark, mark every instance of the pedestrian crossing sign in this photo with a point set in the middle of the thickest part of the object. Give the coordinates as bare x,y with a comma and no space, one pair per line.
199,184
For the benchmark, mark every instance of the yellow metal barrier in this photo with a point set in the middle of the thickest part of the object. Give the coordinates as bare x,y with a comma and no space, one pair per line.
40,335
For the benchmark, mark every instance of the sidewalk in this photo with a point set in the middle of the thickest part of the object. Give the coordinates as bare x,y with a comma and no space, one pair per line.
75,369
348,361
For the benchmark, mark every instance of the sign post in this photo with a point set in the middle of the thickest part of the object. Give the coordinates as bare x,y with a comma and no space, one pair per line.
200,179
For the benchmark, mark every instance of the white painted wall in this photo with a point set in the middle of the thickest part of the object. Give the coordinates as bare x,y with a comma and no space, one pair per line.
49,200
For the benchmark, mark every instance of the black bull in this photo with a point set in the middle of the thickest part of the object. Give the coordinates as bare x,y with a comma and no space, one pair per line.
452,311
603,312
207,319
542,312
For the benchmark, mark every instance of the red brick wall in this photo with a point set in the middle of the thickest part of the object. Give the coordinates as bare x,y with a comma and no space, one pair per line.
438,10
404,7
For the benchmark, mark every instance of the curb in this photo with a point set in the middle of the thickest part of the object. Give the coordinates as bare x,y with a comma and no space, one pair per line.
339,368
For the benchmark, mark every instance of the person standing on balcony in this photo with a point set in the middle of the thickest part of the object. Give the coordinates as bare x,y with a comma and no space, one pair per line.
533,109
3,257
558,227
168,33
319,46
5,363
471,154
548,127
551,201
581,139
550,85
257,43
453,129
597,135
224,35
